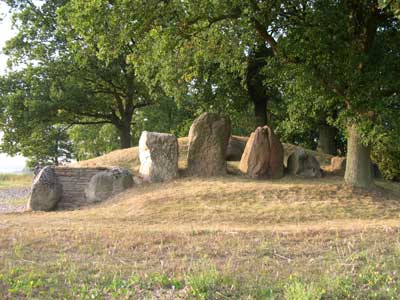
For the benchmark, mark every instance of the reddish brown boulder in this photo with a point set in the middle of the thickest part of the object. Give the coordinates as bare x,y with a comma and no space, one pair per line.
338,165
263,155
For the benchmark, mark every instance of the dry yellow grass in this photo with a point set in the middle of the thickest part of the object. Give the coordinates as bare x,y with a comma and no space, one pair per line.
185,217
229,201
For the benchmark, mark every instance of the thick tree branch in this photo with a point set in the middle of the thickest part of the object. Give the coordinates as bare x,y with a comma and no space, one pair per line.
120,105
112,117
262,31
90,122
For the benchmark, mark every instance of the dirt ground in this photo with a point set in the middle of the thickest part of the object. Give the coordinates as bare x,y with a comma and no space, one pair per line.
13,199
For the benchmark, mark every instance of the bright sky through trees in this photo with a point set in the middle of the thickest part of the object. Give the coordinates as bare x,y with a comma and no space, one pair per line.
7,163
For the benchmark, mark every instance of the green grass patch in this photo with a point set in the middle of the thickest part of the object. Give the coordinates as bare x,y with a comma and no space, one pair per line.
15,180
16,202
23,282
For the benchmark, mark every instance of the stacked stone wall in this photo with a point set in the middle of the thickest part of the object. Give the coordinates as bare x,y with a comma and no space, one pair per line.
74,182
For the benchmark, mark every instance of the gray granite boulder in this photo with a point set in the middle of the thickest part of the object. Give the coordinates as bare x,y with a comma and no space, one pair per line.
303,164
46,191
122,179
100,187
158,154
108,183
208,142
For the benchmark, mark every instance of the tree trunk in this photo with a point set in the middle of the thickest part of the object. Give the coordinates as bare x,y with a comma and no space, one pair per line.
358,162
125,135
327,139
258,92
260,111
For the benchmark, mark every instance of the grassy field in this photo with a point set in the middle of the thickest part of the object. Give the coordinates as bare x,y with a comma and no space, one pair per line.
218,238
15,180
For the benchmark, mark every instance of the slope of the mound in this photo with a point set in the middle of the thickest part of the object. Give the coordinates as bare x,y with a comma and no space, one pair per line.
235,202
129,158
278,229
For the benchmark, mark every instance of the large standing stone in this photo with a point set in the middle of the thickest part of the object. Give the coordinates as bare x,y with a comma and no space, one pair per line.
100,187
208,142
263,155
236,147
46,191
158,154
302,164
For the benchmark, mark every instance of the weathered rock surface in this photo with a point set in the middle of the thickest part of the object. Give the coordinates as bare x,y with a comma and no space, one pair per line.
263,155
108,183
338,165
158,154
302,164
236,147
46,191
122,179
74,182
208,142
100,187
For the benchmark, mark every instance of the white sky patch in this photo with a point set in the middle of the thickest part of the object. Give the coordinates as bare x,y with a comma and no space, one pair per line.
5,34
8,164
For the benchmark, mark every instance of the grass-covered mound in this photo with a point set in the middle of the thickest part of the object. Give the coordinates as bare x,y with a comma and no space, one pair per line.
218,238
129,158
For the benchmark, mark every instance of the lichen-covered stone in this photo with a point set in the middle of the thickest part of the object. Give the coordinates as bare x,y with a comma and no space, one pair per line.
303,164
107,183
263,155
122,179
158,154
208,142
100,187
46,191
